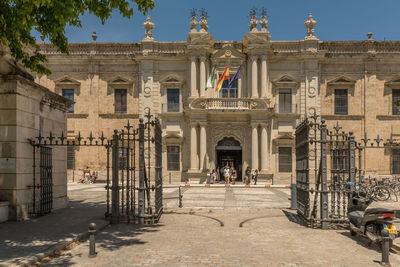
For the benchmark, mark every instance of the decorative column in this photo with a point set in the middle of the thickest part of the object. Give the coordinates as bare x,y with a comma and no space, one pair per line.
193,82
264,147
203,146
264,76
254,146
254,89
202,76
194,160
248,78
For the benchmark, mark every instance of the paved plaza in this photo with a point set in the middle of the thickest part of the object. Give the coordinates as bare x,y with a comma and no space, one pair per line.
221,227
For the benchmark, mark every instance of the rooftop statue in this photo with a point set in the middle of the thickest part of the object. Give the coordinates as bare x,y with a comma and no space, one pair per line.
310,24
149,26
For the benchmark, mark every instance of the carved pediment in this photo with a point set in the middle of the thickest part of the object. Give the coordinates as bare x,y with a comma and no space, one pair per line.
256,38
171,79
283,137
342,80
394,82
119,81
285,79
200,38
228,52
67,81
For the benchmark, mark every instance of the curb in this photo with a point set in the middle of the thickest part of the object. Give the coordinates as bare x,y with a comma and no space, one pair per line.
235,185
31,260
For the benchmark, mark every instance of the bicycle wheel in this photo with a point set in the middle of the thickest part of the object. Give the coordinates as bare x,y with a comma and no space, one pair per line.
380,193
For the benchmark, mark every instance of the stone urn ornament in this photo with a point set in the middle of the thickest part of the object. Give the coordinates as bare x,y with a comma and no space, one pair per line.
264,21
148,26
203,21
310,23
193,22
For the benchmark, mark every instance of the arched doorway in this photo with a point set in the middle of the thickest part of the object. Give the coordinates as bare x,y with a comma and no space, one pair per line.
229,152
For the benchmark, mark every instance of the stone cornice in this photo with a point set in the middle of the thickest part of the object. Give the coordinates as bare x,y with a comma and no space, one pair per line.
342,117
388,117
77,116
119,116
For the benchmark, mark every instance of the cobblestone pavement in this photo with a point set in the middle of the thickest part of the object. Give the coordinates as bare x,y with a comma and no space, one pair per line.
270,235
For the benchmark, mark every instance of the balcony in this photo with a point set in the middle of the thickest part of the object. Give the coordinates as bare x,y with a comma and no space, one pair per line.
286,109
231,104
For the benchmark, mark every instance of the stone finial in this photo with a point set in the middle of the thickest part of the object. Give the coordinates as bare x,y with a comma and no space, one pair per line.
264,21
310,24
193,24
203,21
94,36
149,26
253,24
42,38
369,35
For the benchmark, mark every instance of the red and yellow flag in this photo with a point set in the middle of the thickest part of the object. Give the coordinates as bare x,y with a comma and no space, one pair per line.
224,76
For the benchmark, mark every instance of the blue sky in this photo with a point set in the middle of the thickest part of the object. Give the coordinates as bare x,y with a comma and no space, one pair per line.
229,20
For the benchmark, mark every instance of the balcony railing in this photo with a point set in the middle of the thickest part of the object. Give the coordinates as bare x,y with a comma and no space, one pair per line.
228,103
286,109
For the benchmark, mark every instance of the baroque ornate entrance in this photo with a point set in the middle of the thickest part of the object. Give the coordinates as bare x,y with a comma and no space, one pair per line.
229,152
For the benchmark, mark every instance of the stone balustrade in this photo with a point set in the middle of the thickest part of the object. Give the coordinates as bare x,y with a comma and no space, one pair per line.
229,103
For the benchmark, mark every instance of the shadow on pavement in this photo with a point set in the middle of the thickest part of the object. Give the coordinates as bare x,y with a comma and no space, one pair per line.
112,238
22,239
292,216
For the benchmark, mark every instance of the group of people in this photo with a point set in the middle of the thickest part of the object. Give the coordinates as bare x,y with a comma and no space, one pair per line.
88,178
229,175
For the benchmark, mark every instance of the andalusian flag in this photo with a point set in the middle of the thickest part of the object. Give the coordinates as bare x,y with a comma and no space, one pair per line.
224,76
211,79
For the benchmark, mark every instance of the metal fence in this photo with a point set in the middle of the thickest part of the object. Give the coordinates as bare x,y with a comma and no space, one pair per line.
336,158
133,155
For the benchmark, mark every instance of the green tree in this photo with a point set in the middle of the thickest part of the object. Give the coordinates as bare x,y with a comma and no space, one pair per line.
49,17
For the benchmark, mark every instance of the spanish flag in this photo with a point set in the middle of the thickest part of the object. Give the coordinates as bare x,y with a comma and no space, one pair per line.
224,76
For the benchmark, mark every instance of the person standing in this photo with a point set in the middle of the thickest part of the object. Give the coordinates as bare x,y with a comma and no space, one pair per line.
234,175
208,181
214,176
247,175
86,175
226,174
255,176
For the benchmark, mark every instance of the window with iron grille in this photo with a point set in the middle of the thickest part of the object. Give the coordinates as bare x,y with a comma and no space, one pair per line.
396,161
120,100
70,158
396,101
285,100
341,101
69,94
226,92
173,158
173,100
285,159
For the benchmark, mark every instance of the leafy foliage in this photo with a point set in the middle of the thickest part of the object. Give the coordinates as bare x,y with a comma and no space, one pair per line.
50,17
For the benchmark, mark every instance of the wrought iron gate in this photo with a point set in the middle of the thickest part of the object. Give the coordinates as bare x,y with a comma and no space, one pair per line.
131,195
337,173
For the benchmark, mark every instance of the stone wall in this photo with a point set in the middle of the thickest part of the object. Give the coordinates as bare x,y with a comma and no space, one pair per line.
26,109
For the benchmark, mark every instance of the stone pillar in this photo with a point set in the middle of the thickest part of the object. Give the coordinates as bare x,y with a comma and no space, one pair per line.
254,146
264,147
202,76
203,146
194,160
254,78
264,76
248,79
193,72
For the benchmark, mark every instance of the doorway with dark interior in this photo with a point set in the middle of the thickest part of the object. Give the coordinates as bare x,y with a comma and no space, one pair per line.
229,152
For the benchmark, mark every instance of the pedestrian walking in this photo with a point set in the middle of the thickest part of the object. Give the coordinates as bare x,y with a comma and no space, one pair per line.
234,175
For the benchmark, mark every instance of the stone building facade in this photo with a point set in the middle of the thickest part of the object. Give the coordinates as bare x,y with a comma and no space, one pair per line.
251,124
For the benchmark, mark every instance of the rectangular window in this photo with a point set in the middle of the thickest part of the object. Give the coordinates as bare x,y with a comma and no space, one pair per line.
123,157
396,161
70,158
173,158
120,100
396,101
285,100
173,100
226,92
341,101
285,159
69,94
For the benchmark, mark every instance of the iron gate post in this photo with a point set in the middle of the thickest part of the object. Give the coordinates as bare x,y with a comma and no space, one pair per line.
324,187
141,208
115,182
352,161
